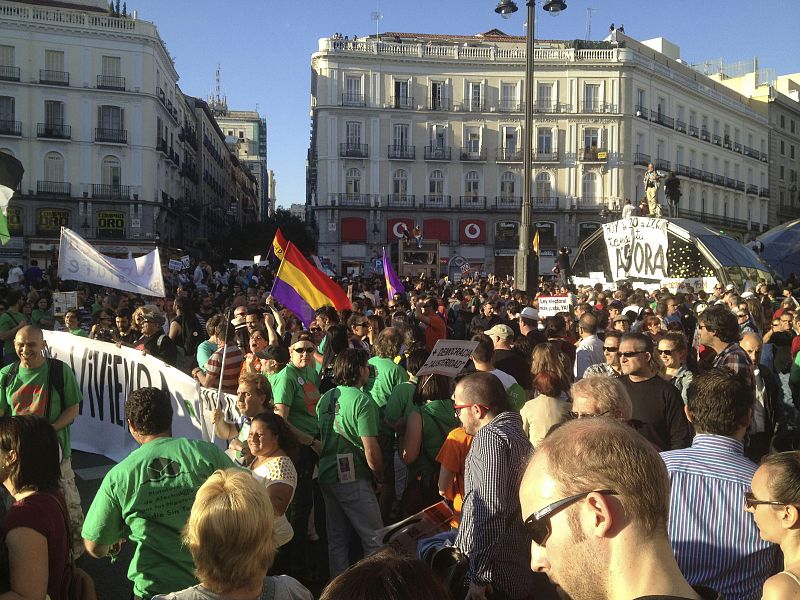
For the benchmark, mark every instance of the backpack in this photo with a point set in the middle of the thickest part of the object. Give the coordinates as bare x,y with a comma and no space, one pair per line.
55,381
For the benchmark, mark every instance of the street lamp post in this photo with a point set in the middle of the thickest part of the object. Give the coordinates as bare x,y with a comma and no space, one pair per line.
526,271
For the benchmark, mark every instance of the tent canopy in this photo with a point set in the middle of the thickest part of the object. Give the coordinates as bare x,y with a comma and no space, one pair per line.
782,248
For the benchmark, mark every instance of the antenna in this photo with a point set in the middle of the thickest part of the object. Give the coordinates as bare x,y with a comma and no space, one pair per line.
217,89
376,16
589,13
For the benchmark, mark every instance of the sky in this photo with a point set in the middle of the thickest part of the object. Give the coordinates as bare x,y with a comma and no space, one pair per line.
264,47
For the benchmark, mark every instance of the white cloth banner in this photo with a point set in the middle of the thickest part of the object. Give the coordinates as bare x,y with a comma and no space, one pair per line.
78,260
107,374
448,357
637,247
678,285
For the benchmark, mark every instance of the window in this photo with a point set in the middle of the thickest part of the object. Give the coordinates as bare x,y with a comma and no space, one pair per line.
7,56
53,60
508,96
510,140
544,96
543,187
111,171
506,232
438,98
401,94
507,183
781,174
353,134
353,181
352,90
439,136
7,111
641,99
110,117
473,142
679,155
791,151
591,138
472,184
436,183
590,186
241,134
400,182
783,122
475,96
692,119
783,149
544,140
400,135
112,66
53,113
53,167
591,97
547,233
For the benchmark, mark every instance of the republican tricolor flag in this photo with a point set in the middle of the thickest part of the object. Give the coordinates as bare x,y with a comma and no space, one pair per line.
393,285
278,247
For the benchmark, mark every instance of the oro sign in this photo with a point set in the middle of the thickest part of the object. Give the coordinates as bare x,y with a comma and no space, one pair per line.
637,247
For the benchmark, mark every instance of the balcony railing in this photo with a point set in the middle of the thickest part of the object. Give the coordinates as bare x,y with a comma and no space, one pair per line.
511,106
731,183
473,202
10,127
438,153
401,102
111,192
353,100
508,202
436,201
726,143
593,154
751,152
664,120
598,108
707,176
8,73
589,203
440,104
356,200
551,107
695,173
541,156
737,147
705,135
787,210
53,77
641,112
662,165
545,202
57,131
716,140
113,136
53,188
403,152
110,82
752,189
509,155
764,192
739,185
694,131
683,170
719,179
764,157
352,150
640,158
473,106
469,154
680,126
401,200
719,220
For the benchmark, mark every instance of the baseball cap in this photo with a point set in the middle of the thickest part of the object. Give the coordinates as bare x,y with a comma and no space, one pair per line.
730,287
503,331
617,304
301,336
700,307
622,318
274,352
530,313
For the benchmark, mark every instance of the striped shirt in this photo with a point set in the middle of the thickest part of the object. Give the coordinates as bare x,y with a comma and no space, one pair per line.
491,532
716,543
233,366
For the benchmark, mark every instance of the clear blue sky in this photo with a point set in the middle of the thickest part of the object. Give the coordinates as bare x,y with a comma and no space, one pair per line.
265,46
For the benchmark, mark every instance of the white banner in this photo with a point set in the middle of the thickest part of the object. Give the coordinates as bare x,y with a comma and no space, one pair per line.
449,357
637,247
678,285
552,305
78,260
107,374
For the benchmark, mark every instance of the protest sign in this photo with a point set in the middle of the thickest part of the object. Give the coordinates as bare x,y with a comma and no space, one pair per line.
552,305
679,285
186,261
63,301
465,267
448,358
598,276
404,535
175,265
647,287
80,261
637,247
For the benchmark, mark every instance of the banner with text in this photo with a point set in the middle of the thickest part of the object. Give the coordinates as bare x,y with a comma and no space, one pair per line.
106,375
637,247
449,357
80,261
552,305
680,285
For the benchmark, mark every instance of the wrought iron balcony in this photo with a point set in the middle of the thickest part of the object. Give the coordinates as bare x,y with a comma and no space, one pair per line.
401,200
110,82
402,152
730,183
401,102
664,120
593,154
598,108
352,150
353,100
438,152
591,203
8,73
716,140
440,104
641,112
111,192
680,126
695,173
10,127
662,165
705,135
473,202
509,155
470,154
551,107
718,220
764,157
739,185
473,106
354,200
53,188
752,189
707,176
541,156
737,147
57,131
683,170
694,131
545,202
112,136
751,152
436,201
640,158
508,202
726,143
719,179
764,193
511,106
53,77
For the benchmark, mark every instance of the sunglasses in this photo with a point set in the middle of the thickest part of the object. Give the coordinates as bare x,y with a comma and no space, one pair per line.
630,354
610,348
580,415
750,501
666,352
458,407
538,524
304,350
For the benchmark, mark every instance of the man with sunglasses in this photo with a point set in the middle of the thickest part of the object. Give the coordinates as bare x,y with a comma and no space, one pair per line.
716,543
673,349
594,505
489,534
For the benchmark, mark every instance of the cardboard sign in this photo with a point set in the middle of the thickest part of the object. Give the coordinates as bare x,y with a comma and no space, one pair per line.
465,268
63,301
186,261
449,357
175,265
637,247
552,305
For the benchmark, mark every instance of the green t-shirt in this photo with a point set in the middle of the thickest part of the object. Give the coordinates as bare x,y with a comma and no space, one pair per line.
204,351
517,396
146,499
79,332
401,402
438,420
356,415
8,321
388,375
37,316
26,394
299,390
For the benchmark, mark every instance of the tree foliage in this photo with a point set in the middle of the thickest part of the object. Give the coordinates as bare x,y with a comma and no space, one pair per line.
251,240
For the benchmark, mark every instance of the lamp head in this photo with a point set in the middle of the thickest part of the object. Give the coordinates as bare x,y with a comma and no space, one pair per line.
554,7
506,8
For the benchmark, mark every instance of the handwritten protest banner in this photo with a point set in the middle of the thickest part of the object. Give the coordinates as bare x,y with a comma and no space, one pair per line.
552,305
679,285
448,358
637,247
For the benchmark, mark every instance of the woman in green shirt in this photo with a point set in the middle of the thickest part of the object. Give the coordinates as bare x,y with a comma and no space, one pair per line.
426,431
42,316
73,323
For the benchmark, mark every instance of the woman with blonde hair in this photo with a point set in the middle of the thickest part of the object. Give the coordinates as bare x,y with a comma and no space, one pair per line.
547,358
231,539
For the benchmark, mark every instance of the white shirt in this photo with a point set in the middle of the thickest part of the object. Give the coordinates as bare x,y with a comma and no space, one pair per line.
588,353
627,211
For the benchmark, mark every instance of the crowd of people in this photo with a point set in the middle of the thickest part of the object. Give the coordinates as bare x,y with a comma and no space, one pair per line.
649,413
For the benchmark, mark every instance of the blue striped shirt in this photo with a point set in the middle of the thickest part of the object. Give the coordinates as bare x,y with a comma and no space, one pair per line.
716,543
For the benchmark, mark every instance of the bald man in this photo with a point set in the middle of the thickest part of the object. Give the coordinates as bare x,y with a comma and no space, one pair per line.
30,387
768,408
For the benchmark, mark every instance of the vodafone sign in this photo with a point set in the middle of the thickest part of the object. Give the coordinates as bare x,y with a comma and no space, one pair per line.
472,232
395,228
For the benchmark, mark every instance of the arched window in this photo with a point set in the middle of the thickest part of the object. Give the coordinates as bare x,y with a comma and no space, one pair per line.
507,185
436,183
590,186
53,167
543,187
111,171
353,181
472,184
400,182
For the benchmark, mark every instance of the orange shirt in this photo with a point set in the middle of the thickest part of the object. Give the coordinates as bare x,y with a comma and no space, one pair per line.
452,457
436,330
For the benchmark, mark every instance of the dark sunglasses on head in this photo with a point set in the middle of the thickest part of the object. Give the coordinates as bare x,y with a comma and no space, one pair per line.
304,350
538,524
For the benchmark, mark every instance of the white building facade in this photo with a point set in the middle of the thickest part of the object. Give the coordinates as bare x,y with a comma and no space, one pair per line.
428,130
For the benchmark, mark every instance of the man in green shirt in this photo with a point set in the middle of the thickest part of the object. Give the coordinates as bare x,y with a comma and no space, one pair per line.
350,460
148,496
11,321
295,392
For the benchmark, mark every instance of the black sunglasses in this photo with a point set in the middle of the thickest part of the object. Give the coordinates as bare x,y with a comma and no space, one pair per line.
611,348
584,415
666,352
305,350
631,354
538,524
750,501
